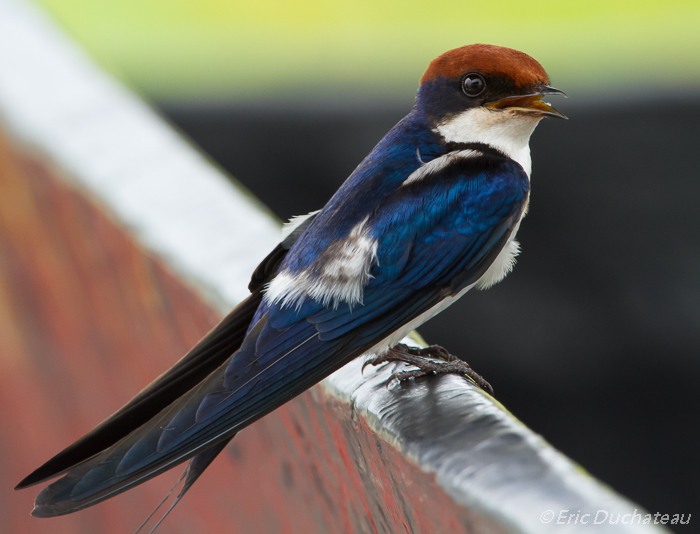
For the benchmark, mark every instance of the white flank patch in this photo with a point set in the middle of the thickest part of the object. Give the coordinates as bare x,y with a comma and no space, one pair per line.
294,222
440,163
508,131
338,275
502,265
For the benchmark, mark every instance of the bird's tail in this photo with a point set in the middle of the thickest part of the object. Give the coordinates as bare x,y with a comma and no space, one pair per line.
197,425
140,456
194,469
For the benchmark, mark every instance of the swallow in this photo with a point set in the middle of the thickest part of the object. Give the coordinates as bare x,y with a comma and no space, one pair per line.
432,212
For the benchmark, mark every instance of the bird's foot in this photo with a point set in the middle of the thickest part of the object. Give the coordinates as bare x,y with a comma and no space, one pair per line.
431,360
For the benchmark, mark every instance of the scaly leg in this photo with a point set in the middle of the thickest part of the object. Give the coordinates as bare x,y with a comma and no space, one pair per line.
431,360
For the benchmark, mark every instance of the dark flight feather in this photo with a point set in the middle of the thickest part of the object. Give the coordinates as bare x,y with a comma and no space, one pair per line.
211,351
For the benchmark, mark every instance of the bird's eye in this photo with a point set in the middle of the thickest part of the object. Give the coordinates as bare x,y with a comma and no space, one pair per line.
473,85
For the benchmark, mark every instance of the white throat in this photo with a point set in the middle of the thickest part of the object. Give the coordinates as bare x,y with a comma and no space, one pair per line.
508,131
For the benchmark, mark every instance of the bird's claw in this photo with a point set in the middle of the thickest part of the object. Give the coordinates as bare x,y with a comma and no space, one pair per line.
431,360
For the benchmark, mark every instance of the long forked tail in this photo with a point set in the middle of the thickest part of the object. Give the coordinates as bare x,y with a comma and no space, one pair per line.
194,469
209,354
243,389
129,462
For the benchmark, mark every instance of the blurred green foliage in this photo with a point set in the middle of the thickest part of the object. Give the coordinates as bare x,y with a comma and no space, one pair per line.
215,49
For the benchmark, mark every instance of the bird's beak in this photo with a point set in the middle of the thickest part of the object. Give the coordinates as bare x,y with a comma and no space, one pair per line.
532,102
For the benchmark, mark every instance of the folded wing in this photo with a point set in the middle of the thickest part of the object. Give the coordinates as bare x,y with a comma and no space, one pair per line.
435,237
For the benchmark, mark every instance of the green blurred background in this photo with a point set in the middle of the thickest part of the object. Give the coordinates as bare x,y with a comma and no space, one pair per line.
218,50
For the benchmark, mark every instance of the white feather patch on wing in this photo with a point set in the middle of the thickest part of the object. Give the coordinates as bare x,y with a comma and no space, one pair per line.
338,275
437,164
294,222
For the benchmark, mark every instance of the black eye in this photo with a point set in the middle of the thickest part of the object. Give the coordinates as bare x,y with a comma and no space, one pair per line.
473,84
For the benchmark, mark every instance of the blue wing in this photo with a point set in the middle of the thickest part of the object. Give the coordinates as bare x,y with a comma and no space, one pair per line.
434,237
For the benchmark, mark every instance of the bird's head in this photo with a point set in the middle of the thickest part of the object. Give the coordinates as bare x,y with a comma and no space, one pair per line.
479,92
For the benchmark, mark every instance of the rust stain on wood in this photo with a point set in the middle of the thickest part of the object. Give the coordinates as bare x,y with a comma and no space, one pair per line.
88,318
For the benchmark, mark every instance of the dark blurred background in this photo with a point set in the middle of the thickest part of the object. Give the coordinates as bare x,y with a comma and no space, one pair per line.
594,339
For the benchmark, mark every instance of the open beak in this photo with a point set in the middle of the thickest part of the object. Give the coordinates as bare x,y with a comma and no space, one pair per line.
531,103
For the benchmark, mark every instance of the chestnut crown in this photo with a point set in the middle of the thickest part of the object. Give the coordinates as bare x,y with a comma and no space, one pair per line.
493,61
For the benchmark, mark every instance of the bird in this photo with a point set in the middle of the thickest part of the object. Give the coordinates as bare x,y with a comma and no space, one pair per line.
431,213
